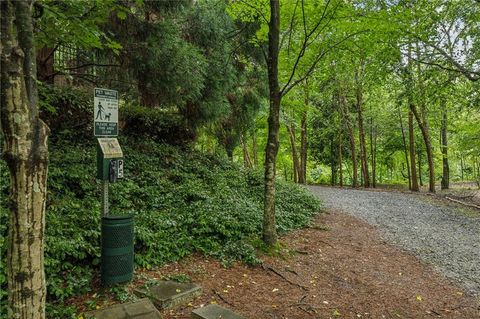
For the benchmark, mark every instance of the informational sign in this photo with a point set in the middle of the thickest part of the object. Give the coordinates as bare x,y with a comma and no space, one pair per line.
110,147
105,116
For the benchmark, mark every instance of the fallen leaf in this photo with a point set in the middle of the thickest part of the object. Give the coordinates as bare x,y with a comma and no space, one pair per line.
419,298
274,289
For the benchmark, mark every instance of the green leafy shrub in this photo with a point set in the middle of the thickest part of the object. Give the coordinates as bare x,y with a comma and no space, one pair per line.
183,202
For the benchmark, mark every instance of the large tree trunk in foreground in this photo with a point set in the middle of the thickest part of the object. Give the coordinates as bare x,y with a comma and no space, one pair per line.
428,146
271,149
411,137
26,154
444,143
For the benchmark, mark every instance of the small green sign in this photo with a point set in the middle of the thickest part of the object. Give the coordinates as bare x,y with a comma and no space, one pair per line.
105,116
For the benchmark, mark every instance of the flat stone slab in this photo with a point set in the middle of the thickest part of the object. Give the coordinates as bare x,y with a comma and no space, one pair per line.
214,312
168,294
141,309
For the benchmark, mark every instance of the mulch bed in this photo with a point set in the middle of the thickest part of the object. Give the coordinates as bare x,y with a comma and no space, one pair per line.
347,271
338,268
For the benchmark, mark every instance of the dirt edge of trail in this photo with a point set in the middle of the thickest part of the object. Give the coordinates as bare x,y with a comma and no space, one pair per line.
338,268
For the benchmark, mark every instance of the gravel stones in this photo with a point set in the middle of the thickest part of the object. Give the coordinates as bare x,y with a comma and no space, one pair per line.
437,235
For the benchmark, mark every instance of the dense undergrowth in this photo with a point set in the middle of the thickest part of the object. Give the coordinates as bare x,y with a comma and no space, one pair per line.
183,202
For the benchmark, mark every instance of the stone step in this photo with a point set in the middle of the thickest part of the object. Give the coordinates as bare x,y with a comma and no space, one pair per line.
214,312
141,309
169,294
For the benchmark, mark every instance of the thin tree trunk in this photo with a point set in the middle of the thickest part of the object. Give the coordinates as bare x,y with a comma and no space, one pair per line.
419,153
255,149
426,138
373,146
444,143
361,133
340,160
271,149
424,128
351,139
247,162
405,149
461,167
411,137
295,160
26,155
302,177
333,168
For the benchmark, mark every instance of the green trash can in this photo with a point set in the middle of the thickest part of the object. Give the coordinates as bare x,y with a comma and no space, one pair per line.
117,249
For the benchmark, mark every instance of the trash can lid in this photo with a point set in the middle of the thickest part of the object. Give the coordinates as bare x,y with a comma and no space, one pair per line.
117,217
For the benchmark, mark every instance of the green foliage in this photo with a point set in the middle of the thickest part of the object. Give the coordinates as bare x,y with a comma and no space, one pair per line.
66,110
183,202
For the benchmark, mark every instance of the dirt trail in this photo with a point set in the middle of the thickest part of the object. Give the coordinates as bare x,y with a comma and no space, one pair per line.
346,271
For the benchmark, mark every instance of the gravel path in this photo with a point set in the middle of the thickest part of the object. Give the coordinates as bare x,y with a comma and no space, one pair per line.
436,234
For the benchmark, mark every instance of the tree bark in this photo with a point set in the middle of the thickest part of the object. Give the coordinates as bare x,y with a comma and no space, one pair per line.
423,124
361,132
444,143
411,137
303,138
419,153
426,138
26,155
247,162
373,150
405,149
254,149
302,177
333,167
295,160
351,138
271,149
340,160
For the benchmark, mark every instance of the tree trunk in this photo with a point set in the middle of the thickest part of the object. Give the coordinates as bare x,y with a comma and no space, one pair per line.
254,149
295,161
26,154
444,143
373,150
271,149
340,160
423,124
405,149
419,153
351,138
247,162
462,169
411,137
426,138
333,167
302,177
361,133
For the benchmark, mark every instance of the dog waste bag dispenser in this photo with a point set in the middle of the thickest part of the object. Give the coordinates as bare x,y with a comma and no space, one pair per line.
117,231
109,160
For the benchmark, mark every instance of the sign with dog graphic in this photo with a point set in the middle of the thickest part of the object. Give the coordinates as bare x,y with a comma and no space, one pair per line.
105,113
